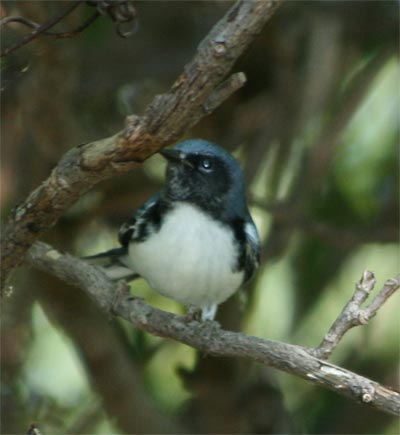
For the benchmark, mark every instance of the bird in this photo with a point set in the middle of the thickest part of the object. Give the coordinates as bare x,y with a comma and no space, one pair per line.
194,241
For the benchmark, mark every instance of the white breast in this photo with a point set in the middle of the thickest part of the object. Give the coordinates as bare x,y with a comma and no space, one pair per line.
190,259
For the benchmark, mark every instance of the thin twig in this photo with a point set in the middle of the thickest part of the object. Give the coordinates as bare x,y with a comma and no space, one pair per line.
34,25
121,13
391,285
353,315
208,336
42,28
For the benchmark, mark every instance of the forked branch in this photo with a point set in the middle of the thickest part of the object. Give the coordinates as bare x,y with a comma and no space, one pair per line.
353,314
208,336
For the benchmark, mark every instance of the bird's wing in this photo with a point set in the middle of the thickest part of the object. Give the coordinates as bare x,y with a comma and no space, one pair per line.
251,249
112,263
115,262
138,226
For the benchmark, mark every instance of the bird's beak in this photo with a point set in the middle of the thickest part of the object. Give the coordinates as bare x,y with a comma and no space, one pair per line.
172,155
175,156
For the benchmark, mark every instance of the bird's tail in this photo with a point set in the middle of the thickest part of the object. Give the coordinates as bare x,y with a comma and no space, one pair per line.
113,263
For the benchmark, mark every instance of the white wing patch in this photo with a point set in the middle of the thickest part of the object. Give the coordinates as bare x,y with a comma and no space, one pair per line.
251,232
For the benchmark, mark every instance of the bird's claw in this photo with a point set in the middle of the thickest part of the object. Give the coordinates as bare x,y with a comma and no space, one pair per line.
121,292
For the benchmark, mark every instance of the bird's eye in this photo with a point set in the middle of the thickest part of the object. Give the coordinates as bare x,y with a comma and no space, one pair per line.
206,165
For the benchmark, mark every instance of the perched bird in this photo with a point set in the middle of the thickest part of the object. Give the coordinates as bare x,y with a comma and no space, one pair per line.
195,241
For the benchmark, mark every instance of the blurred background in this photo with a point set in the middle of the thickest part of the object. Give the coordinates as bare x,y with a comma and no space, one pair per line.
316,129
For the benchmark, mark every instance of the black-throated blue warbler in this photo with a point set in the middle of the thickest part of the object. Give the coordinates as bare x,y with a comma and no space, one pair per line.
195,240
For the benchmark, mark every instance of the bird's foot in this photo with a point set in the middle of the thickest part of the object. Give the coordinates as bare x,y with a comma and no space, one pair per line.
122,291
204,316
209,329
193,314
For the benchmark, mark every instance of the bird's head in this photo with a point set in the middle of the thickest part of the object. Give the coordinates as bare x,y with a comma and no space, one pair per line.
206,175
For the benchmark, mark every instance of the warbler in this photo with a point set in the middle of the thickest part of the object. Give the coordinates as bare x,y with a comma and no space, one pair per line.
195,240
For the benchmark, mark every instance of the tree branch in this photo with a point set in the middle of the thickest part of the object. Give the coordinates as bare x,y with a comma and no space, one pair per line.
165,120
353,315
208,336
120,12
40,29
